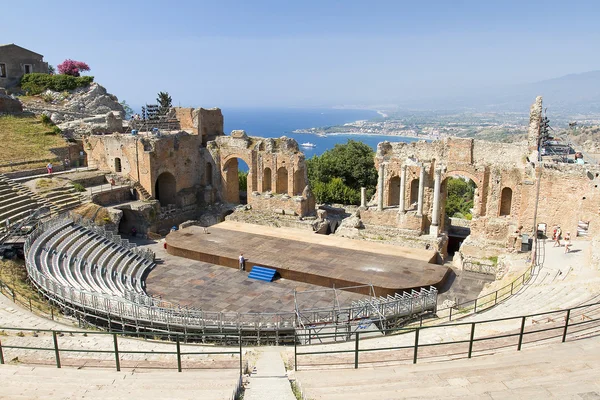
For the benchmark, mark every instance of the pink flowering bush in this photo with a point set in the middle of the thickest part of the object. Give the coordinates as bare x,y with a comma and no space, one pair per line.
72,67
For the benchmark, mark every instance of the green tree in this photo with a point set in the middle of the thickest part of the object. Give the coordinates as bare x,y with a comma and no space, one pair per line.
460,197
337,175
164,102
243,180
128,110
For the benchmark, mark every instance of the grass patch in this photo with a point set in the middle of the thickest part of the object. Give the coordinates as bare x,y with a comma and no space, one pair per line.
26,138
14,274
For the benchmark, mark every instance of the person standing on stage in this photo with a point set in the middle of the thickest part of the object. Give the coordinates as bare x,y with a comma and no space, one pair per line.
242,262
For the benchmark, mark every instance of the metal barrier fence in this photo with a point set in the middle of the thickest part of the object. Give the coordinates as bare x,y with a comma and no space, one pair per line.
481,303
176,339
559,324
43,336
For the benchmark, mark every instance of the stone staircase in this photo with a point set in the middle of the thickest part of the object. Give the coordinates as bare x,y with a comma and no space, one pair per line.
143,192
17,202
47,382
62,199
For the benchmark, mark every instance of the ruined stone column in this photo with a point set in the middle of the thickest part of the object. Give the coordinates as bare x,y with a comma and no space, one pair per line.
435,215
363,197
380,187
421,191
401,205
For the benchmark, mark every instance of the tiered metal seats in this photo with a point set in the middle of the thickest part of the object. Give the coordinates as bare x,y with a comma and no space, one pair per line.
78,258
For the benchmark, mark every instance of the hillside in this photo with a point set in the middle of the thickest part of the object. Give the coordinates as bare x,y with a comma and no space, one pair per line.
26,138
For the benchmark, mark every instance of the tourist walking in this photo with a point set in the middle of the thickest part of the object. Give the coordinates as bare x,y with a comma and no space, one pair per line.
557,235
242,262
567,242
49,168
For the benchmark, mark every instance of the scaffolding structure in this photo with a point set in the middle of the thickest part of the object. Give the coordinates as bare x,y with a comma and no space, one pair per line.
371,315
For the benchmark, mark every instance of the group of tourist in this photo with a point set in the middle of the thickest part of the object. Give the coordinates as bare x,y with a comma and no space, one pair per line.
557,236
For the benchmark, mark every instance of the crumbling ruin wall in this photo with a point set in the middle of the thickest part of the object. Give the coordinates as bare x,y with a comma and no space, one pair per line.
277,177
506,178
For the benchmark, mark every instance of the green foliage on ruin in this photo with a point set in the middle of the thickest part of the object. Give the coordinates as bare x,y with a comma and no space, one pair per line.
37,83
337,175
460,198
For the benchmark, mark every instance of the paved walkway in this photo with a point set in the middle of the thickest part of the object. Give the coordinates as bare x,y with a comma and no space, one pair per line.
270,380
558,371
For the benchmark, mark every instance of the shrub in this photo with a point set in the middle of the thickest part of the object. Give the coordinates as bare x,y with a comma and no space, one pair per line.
72,67
47,97
78,187
36,83
46,121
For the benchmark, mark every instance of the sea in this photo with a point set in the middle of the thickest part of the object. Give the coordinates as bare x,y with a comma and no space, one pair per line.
277,122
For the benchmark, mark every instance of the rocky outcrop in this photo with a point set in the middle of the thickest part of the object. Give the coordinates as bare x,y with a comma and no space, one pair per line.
8,104
109,123
81,111
94,100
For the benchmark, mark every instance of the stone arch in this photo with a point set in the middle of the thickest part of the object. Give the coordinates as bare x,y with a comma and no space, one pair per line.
282,180
208,172
393,191
444,192
505,201
231,183
118,166
165,189
469,174
266,180
414,191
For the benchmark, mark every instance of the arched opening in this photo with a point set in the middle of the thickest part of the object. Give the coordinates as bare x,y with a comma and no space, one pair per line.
208,173
235,177
393,191
458,197
266,180
505,201
299,183
282,181
166,189
118,164
414,192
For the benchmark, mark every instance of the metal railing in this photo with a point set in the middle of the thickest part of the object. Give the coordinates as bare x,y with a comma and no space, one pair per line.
117,353
481,303
579,322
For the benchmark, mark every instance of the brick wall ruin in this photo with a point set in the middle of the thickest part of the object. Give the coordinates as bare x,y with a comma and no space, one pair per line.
198,165
410,174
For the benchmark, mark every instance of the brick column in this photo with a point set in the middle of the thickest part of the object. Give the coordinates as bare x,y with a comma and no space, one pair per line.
421,191
401,205
380,187
435,215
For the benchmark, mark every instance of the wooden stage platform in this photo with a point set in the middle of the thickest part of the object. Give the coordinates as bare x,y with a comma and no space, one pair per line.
307,257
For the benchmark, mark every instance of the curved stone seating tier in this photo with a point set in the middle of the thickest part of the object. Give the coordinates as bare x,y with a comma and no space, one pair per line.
17,203
75,257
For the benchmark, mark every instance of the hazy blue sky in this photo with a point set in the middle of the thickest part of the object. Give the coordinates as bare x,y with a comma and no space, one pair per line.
308,53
